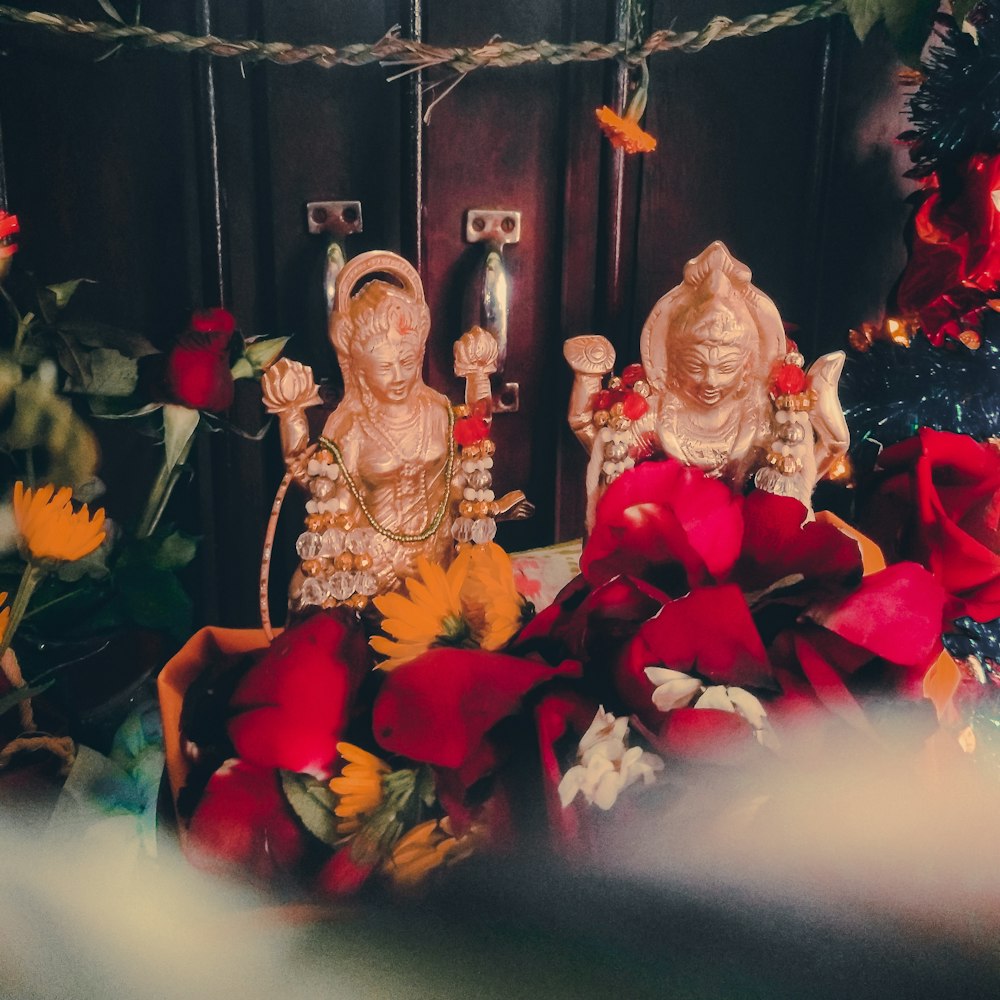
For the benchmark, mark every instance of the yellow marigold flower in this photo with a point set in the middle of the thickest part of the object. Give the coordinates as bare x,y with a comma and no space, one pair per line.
624,133
359,787
430,616
490,600
426,847
51,528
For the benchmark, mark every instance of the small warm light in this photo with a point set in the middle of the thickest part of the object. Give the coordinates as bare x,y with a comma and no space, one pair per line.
898,331
995,195
841,471
861,339
971,339
967,740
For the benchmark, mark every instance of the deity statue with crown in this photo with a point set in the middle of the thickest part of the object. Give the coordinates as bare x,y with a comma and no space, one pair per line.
720,387
397,474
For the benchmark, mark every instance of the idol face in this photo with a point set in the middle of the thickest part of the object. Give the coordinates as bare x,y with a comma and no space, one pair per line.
708,373
391,370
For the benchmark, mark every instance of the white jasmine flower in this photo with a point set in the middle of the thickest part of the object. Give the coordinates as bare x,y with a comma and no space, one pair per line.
674,689
607,765
606,735
743,704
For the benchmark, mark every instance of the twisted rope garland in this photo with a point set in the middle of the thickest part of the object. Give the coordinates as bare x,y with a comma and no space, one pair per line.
392,50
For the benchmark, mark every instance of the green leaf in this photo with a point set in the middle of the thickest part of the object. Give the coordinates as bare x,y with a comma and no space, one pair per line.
179,424
261,353
242,369
65,290
128,342
41,420
155,599
93,565
909,22
864,14
108,408
314,804
175,551
107,373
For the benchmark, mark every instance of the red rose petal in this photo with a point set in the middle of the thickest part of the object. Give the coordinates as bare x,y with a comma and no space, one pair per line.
664,517
200,378
941,506
244,820
292,706
557,715
896,613
709,632
707,734
829,685
213,321
439,707
777,544
342,875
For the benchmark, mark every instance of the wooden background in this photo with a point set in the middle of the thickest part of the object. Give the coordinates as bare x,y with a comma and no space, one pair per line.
178,182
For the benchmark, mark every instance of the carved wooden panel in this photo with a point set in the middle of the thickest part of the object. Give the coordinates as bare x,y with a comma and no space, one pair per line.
173,180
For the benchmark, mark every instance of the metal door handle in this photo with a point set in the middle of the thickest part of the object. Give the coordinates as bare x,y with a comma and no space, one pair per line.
495,229
338,219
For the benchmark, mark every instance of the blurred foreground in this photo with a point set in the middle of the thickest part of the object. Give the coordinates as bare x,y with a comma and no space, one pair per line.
869,877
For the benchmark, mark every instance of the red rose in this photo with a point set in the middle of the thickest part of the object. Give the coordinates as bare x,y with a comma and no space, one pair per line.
243,820
667,523
940,506
438,708
218,321
291,708
955,264
198,373
200,378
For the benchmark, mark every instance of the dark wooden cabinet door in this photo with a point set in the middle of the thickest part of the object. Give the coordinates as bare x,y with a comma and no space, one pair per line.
176,182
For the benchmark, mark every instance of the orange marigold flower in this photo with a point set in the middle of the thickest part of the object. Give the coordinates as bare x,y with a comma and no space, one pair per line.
358,788
624,133
51,528
426,847
4,615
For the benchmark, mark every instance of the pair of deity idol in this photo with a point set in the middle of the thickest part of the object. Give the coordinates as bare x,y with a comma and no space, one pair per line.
388,483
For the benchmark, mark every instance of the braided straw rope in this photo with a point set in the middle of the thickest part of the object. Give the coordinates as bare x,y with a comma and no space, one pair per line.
60,746
392,50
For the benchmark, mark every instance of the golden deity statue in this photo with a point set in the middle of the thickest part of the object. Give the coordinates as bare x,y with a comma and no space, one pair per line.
388,483
719,388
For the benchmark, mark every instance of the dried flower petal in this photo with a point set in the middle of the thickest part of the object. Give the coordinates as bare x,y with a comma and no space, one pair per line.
624,133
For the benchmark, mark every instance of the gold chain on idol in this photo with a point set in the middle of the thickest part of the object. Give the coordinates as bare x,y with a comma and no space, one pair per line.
397,536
